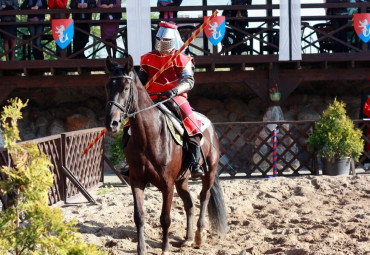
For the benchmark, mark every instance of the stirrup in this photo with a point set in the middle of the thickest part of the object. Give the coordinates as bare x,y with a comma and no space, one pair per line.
196,172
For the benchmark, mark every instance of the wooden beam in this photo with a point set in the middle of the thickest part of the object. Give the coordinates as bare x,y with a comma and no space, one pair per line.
332,74
4,93
8,83
260,86
288,85
77,184
37,81
115,170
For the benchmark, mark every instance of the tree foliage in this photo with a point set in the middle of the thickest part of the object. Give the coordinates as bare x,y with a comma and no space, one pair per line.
334,135
29,225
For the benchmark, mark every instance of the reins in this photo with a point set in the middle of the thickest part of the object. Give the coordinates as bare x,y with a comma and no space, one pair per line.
150,107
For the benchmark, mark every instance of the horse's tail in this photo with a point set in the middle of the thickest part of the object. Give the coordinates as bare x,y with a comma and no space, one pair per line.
216,209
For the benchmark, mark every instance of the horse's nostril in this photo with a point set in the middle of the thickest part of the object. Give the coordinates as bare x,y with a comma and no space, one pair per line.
114,124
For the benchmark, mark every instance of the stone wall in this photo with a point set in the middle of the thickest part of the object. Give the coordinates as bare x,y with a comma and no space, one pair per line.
53,111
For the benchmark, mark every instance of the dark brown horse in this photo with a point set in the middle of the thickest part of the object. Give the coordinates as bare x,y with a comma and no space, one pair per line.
154,157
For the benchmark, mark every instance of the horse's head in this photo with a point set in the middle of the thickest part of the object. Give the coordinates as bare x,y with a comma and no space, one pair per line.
119,93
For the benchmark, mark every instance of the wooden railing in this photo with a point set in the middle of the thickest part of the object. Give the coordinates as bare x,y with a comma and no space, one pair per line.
259,39
65,154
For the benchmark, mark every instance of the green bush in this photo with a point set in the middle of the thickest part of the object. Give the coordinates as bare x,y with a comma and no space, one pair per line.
30,226
116,147
334,135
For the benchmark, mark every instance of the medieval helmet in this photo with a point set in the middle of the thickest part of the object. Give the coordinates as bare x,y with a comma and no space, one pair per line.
167,38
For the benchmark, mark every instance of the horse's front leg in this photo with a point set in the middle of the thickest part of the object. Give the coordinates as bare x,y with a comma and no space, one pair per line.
167,195
139,217
183,191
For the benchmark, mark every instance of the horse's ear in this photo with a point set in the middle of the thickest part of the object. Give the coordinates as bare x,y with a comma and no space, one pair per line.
130,63
109,64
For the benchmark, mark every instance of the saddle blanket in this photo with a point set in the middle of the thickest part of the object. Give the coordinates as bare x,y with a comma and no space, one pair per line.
175,126
177,130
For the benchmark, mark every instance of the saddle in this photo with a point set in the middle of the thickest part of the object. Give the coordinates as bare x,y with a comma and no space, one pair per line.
174,122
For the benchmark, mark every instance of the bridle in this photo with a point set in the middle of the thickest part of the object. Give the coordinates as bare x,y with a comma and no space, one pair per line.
127,107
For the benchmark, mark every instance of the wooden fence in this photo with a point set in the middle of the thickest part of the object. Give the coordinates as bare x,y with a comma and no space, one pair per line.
73,172
245,148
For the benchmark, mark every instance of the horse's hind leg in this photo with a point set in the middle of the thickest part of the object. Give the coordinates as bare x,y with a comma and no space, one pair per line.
139,218
205,194
183,191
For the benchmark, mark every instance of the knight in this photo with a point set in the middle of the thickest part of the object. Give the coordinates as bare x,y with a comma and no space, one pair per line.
175,83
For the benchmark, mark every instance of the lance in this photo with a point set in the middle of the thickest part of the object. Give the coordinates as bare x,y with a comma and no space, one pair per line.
101,134
164,67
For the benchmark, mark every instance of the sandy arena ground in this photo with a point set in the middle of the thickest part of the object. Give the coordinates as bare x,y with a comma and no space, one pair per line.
294,216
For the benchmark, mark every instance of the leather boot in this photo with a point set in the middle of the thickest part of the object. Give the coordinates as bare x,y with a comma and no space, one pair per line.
196,170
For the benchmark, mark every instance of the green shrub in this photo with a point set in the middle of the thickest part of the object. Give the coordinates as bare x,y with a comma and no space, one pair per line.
116,148
334,135
30,226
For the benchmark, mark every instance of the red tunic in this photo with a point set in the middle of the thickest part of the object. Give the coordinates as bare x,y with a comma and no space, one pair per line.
58,4
151,63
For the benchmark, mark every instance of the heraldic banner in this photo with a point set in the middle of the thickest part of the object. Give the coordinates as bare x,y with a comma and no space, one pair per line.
361,24
63,31
215,30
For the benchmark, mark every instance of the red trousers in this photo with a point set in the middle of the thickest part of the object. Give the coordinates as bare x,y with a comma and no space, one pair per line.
192,125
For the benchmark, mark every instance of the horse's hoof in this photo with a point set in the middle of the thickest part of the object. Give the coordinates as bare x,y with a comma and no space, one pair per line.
200,237
186,243
195,245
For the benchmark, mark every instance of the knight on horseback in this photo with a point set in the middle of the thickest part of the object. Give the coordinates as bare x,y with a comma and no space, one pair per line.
175,83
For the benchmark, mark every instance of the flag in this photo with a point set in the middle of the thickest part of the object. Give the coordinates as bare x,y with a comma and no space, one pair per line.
215,30
63,31
361,24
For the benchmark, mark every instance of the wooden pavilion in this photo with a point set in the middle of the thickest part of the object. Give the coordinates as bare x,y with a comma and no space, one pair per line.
257,67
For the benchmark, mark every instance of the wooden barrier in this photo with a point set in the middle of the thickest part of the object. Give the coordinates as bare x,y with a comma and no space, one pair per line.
245,151
73,173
